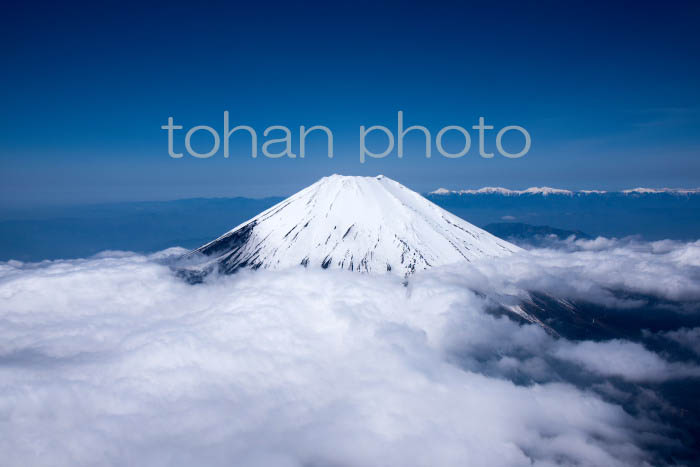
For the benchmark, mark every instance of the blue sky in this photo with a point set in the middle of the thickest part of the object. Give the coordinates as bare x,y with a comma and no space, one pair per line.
609,93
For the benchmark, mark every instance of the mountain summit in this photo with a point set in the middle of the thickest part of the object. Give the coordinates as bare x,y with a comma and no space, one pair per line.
366,224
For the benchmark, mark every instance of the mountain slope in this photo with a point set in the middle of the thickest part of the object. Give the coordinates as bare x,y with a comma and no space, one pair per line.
366,224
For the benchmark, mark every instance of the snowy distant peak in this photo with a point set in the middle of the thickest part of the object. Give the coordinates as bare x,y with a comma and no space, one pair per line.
366,224
489,190
675,191
441,191
545,191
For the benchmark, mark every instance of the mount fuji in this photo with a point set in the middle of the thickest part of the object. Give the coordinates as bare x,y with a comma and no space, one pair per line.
365,224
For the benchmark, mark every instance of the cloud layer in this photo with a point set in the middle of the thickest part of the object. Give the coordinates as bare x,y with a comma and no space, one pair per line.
112,360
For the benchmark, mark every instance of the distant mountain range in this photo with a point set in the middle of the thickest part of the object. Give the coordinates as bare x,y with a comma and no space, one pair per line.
652,213
79,231
546,191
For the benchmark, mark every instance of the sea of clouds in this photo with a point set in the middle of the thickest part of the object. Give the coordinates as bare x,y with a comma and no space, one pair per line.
113,360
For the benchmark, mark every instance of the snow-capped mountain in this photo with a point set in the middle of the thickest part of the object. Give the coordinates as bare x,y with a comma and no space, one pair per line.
366,224
673,191
547,191
491,190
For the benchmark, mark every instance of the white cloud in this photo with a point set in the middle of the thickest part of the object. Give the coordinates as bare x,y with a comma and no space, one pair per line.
687,337
593,269
112,360
628,360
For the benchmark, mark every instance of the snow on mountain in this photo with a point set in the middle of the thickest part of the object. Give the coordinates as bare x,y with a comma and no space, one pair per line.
675,191
366,224
489,190
440,191
545,191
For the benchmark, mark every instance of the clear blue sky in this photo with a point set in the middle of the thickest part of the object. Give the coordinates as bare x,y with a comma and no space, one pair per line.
609,93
